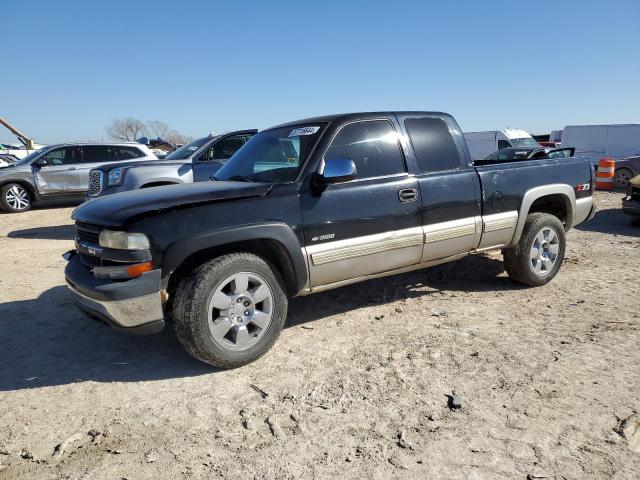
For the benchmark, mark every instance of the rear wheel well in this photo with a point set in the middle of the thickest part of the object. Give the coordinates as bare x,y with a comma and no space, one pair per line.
557,205
272,251
157,184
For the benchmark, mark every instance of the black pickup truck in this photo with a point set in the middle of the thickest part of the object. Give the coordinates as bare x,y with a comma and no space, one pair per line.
309,206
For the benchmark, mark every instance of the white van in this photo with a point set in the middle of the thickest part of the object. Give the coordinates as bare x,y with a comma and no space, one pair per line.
603,141
483,144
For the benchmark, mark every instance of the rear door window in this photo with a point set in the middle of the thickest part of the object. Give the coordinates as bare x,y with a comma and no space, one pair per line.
119,153
433,144
96,154
372,145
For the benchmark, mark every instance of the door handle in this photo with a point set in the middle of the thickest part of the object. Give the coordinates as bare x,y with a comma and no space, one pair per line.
408,195
71,168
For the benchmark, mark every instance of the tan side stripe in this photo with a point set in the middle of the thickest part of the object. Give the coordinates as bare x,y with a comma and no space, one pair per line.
501,224
367,249
450,232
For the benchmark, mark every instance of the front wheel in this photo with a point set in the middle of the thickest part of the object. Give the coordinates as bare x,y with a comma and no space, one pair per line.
230,311
537,257
15,198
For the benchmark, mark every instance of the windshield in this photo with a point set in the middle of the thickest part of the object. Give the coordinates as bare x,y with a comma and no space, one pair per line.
524,142
187,150
273,156
32,156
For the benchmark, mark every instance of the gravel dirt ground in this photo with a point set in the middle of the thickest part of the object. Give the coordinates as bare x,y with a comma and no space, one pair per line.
356,386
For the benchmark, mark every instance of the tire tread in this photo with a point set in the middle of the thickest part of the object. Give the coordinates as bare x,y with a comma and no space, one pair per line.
190,297
516,259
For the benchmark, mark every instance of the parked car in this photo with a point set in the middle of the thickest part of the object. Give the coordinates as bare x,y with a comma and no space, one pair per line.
7,159
625,170
512,154
197,161
615,141
631,202
309,206
483,144
60,173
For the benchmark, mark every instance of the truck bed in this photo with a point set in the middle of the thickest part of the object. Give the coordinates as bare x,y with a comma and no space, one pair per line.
503,184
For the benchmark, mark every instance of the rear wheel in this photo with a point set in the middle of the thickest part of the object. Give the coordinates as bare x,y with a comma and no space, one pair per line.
537,257
622,178
15,198
230,311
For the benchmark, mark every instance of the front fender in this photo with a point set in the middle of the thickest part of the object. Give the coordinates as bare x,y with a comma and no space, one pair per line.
178,252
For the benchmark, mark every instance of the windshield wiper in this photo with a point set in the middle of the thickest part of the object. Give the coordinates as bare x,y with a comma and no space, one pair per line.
241,178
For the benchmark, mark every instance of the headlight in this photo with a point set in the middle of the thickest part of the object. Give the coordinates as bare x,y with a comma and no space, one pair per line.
123,240
116,176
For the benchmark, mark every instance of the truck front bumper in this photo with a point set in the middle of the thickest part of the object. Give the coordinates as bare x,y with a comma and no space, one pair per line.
133,305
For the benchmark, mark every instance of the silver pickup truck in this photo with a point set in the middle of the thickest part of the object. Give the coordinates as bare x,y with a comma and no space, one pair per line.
197,161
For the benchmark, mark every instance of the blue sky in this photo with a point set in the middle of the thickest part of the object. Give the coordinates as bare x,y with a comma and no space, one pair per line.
71,67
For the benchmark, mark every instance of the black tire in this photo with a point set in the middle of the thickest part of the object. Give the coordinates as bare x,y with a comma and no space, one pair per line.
517,260
190,309
7,195
622,177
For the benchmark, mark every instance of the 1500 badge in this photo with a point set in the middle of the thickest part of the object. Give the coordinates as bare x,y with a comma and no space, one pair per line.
327,236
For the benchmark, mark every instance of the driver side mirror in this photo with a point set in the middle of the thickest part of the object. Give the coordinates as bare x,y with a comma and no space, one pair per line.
41,162
338,170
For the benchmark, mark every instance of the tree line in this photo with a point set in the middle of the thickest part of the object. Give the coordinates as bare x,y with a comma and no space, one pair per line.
130,129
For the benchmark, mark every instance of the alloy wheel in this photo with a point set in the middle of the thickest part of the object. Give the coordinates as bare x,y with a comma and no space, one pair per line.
240,311
18,198
544,251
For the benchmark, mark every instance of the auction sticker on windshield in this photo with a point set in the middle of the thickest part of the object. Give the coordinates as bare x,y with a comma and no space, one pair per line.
298,132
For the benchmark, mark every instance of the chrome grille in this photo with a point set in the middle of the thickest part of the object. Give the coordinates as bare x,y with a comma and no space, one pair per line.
95,183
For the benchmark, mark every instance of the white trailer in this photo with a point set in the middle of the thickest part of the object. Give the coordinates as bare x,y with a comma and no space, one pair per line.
603,141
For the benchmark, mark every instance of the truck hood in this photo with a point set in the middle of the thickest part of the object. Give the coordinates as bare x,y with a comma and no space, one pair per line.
143,163
117,209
